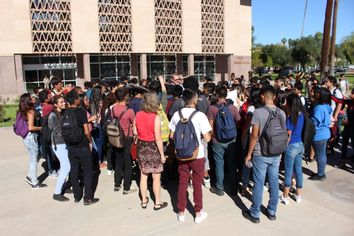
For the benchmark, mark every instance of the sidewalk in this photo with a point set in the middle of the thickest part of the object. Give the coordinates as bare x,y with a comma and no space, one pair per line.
327,207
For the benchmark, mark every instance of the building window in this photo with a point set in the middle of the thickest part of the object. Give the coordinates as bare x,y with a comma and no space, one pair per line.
161,65
36,68
51,26
115,25
204,66
110,66
212,26
168,26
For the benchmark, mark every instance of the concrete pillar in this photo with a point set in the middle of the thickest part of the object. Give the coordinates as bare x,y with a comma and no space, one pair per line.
19,74
87,69
190,64
143,66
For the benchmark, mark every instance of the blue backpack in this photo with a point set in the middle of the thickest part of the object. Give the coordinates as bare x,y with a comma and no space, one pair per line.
186,139
225,124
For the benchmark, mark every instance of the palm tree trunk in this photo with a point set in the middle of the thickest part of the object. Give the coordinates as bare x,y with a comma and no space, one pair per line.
333,40
326,37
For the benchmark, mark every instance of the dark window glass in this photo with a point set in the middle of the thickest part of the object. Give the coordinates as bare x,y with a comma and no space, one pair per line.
94,58
58,73
30,60
69,74
67,60
108,70
95,70
49,60
31,76
108,59
42,74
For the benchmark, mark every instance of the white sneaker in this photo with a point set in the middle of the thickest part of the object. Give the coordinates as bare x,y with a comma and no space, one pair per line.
109,172
53,174
203,216
181,218
284,200
298,199
206,182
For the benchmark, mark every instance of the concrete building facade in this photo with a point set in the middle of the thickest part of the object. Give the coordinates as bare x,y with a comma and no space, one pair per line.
80,40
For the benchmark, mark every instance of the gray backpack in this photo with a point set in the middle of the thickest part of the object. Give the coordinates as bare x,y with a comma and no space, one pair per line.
274,137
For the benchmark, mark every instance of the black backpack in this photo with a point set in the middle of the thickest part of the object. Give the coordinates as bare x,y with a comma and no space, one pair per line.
70,130
46,132
308,132
274,137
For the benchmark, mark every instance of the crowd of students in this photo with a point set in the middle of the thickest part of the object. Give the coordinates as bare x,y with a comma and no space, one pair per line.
215,135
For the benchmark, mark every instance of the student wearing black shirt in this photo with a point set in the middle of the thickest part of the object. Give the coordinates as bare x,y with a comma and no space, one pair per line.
80,154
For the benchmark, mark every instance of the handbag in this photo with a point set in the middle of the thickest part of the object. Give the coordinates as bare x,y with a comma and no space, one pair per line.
133,149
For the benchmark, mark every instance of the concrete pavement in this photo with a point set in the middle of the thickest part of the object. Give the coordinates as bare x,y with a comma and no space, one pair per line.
327,207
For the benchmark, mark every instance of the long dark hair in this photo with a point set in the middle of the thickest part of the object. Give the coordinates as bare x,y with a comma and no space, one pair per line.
295,107
25,104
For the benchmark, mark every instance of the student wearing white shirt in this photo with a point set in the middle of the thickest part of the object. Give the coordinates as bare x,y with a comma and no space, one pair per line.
194,168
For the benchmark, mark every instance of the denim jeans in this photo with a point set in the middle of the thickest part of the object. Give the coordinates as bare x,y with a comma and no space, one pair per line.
62,154
293,163
262,167
321,156
221,152
31,143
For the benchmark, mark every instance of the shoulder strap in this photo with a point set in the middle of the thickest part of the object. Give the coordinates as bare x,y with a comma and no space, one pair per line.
180,114
191,116
121,115
268,120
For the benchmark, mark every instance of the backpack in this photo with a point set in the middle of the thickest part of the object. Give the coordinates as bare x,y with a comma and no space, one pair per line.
115,132
107,119
165,130
308,132
225,126
46,131
70,130
185,138
20,126
274,137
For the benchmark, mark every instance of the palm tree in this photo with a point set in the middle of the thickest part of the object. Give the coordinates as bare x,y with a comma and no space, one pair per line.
333,39
326,36
283,41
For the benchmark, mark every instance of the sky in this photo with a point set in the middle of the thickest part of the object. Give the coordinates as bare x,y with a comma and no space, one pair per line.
277,19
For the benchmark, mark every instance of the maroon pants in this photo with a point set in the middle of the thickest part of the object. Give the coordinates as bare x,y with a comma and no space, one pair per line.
184,170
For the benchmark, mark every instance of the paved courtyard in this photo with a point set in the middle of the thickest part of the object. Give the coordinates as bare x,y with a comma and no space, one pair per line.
327,207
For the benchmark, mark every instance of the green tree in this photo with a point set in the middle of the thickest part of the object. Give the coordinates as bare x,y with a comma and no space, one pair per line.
284,41
278,54
347,47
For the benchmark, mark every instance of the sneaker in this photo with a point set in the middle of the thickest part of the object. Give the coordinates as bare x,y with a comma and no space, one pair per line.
248,216
131,190
109,172
60,198
203,215
318,178
88,202
284,200
298,199
181,217
116,189
28,180
217,191
269,216
39,186
53,174
206,182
